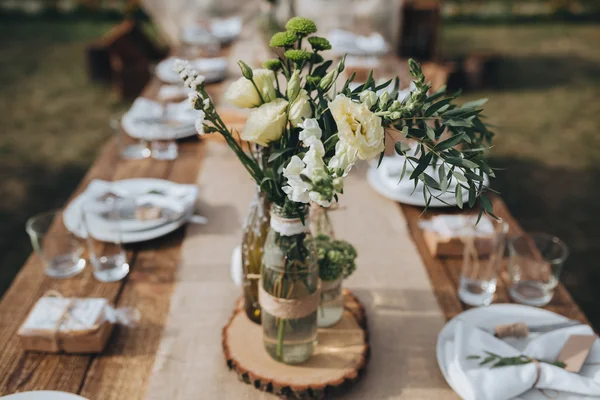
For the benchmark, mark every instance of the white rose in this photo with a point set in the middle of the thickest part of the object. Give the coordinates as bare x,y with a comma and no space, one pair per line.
266,123
368,98
300,109
358,128
242,93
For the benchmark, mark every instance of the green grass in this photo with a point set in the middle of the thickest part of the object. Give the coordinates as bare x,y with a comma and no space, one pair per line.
546,102
52,123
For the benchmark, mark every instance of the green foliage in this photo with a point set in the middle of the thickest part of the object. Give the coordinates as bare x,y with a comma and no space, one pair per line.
319,43
496,361
301,26
336,258
283,39
273,64
298,56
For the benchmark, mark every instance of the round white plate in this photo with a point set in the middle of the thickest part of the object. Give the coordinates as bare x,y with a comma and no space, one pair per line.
489,317
133,187
213,69
403,193
43,395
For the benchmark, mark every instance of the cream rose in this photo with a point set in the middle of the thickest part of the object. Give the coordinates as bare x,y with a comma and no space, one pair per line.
266,123
300,109
359,129
242,93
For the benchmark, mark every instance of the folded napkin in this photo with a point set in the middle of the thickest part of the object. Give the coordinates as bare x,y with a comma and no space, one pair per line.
457,226
168,93
150,120
485,383
347,42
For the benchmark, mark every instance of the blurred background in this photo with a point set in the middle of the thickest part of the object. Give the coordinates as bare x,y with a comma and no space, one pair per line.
538,61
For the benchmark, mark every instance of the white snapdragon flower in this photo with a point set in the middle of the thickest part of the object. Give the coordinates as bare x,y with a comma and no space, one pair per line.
296,189
318,198
310,129
344,158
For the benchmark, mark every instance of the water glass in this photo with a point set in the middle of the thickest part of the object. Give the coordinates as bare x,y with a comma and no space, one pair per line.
536,261
60,251
482,256
166,149
129,148
101,221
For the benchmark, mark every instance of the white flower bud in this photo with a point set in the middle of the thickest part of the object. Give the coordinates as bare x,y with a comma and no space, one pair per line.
368,98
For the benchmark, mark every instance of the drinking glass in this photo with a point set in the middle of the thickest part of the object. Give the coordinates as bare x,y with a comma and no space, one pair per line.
129,148
536,261
102,224
60,251
482,256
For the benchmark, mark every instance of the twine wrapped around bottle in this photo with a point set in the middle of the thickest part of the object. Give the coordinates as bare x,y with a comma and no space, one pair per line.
289,308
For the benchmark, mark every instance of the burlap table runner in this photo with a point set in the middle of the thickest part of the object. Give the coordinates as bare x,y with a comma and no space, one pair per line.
404,318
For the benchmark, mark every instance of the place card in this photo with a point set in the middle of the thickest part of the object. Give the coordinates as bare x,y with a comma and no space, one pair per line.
575,351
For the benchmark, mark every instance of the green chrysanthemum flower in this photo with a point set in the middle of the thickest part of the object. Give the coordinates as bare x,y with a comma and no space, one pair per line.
301,26
319,43
283,39
273,64
298,55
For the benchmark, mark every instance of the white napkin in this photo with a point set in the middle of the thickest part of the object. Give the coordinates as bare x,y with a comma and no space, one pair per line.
456,226
347,42
485,383
141,121
168,92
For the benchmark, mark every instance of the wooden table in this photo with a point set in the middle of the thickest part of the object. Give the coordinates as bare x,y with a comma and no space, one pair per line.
122,371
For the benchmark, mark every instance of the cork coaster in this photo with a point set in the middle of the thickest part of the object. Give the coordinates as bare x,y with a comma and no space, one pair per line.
338,359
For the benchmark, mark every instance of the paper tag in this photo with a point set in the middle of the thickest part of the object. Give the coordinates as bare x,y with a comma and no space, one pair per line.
575,351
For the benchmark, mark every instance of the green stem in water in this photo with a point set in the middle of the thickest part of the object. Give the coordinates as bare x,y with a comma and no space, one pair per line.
280,335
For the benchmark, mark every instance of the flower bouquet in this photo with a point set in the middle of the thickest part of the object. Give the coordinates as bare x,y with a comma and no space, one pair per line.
313,128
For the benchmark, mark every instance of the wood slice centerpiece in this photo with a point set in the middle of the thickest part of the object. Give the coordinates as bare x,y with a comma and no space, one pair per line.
338,359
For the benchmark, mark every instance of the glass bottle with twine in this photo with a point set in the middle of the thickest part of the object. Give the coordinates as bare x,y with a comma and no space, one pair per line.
289,290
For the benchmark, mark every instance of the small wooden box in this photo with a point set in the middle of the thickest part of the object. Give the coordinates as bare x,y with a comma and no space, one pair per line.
69,325
448,243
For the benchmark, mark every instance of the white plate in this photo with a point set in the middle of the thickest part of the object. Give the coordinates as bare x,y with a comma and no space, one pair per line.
43,395
404,192
143,108
133,187
489,317
213,69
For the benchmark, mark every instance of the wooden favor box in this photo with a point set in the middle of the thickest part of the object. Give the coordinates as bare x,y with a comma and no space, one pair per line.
92,342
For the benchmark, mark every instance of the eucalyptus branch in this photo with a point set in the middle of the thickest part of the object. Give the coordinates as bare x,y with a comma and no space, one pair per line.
496,361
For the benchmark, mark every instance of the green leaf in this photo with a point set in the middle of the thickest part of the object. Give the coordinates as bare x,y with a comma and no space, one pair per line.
475,103
401,148
278,153
460,177
443,179
378,161
452,122
429,181
403,171
458,196
405,131
486,204
472,195
451,142
461,162
423,164
430,132
383,85
473,176
436,106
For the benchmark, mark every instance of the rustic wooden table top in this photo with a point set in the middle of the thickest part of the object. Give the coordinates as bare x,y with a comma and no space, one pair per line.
123,370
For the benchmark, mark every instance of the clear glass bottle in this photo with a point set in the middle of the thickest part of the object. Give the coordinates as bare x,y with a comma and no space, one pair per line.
254,234
320,223
289,289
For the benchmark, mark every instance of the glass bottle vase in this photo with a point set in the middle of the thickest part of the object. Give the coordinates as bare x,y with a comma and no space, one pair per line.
289,289
254,234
